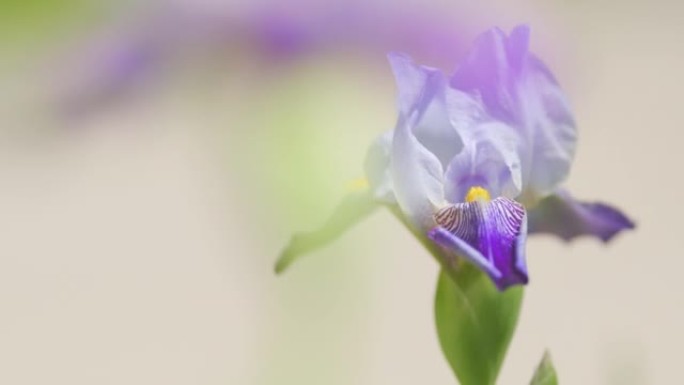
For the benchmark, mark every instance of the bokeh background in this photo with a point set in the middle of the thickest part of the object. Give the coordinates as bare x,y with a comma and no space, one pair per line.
155,157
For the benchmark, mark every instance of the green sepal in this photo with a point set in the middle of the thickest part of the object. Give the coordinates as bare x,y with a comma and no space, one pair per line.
355,206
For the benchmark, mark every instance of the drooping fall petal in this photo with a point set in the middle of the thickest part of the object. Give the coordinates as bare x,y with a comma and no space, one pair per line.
491,235
562,215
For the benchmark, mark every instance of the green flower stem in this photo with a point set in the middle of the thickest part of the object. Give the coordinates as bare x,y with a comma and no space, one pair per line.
475,321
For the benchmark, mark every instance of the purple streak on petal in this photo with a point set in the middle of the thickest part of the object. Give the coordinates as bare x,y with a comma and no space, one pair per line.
489,234
450,241
562,215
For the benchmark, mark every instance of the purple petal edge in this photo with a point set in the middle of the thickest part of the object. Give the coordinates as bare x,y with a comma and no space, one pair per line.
490,235
562,215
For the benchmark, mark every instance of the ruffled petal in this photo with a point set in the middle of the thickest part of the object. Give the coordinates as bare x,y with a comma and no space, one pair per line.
422,98
517,88
491,235
562,215
415,168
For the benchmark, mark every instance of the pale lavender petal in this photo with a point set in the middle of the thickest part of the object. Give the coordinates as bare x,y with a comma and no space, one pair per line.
517,88
551,129
489,159
422,99
562,215
491,235
416,165
486,72
377,166
417,177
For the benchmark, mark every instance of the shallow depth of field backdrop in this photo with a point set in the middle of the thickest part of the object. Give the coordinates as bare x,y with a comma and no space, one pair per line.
145,197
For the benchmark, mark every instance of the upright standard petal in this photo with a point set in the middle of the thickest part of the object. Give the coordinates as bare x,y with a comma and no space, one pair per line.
491,235
551,131
422,97
417,177
517,88
562,215
490,159
487,72
416,166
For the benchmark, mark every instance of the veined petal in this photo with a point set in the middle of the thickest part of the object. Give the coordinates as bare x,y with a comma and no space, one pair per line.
562,215
490,235
517,88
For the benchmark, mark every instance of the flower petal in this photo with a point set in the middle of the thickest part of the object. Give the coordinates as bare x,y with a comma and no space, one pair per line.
562,215
490,235
416,170
417,177
516,87
355,206
552,134
490,159
377,166
422,97
487,72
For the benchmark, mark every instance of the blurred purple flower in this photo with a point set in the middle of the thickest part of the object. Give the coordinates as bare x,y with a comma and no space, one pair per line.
112,66
474,155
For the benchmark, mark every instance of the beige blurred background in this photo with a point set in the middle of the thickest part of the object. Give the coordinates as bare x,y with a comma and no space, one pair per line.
139,238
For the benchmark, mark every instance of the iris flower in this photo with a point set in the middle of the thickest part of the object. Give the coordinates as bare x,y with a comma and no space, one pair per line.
475,162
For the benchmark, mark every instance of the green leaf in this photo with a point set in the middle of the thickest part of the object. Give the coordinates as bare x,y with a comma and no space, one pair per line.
475,323
354,207
545,374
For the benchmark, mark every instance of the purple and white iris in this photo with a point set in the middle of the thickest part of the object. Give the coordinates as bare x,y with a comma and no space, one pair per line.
475,161
476,158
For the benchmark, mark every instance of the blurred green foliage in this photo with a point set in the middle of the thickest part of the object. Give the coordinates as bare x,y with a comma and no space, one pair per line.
38,21
312,142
